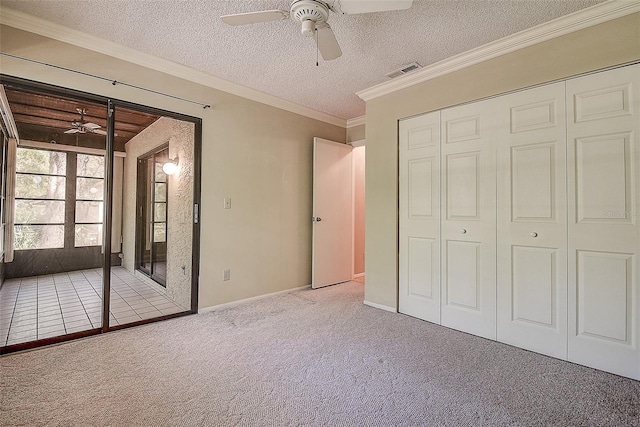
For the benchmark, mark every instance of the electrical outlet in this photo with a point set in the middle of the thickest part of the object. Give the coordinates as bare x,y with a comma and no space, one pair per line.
227,202
226,275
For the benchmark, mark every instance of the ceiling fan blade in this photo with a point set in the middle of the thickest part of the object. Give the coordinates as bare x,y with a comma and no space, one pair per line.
90,125
327,43
255,17
98,131
72,131
354,7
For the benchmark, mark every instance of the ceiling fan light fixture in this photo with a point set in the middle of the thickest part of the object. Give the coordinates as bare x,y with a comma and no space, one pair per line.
308,28
309,10
313,15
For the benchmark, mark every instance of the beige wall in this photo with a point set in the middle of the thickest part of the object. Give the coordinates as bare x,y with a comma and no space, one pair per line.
259,156
604,45
355,133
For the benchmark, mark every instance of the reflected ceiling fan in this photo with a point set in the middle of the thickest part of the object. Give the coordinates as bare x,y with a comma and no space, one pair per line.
314,16
82,126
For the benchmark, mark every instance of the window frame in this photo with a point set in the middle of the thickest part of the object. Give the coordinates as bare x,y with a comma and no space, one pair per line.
17,224
71,177
76,200
3,192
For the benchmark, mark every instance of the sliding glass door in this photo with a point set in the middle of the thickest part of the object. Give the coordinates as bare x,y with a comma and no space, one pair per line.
103,232
53,261
151,244
158,222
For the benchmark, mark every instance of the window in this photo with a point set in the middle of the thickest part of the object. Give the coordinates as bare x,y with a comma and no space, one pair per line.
89,200
160,202
40,198
43,196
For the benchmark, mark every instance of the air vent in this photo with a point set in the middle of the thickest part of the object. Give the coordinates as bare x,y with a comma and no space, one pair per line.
404,70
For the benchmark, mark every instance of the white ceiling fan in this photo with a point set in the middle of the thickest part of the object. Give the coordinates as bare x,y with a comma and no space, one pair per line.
314,16
81,126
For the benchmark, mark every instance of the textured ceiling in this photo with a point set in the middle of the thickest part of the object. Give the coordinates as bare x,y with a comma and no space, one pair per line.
275,58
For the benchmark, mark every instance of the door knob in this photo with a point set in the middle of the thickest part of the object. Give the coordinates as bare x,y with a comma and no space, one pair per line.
316,218
534,234
463,231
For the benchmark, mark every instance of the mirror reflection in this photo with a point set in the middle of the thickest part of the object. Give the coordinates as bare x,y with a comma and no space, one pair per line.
53,206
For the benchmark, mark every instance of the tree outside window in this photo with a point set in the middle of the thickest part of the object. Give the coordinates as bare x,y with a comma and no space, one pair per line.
40,198
42,195
89,200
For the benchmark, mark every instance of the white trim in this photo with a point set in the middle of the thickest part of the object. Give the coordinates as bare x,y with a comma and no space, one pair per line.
380,306
582,19
32,24
358,143
242,301
355,276
353,215
356,121
69,148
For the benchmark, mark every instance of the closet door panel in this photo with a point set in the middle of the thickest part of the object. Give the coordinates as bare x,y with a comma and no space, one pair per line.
469,221
532,229
419,237
604,229
462,276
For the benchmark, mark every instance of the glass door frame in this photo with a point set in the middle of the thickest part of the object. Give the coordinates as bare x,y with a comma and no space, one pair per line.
112,108
146,205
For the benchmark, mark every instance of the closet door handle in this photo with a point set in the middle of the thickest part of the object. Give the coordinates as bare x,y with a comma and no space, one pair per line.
463,231
534,234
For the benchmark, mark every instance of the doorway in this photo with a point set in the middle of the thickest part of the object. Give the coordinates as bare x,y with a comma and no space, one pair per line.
151,206
338,212
358,156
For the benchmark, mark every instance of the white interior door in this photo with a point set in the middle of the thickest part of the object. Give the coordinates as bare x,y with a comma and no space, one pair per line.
469,218
604,221
419,193
532,225
332,213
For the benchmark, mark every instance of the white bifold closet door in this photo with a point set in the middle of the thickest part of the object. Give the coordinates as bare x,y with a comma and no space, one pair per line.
468,249
419,234
532,225
604,230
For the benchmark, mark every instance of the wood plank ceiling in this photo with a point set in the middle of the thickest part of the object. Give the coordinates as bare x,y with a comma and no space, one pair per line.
45,118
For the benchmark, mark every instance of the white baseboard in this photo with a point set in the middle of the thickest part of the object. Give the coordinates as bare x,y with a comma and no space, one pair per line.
380,306
355,276
234,303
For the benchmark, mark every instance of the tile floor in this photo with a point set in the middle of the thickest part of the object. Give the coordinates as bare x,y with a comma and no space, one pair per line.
40,307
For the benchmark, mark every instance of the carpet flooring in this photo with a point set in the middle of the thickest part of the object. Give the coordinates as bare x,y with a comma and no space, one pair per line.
306,358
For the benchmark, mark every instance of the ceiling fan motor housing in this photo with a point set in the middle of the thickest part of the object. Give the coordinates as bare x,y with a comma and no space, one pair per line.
309,13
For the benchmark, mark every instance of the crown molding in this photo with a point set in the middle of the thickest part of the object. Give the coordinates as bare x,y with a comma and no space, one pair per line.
356,121
579,20
32,24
